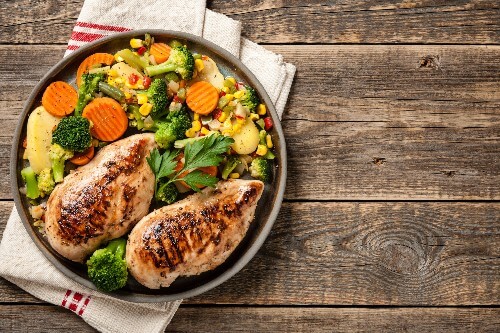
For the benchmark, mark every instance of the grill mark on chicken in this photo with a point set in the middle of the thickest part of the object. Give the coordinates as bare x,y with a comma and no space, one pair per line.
85,217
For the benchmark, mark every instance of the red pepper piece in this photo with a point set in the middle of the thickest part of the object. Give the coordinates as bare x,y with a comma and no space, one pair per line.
141,50
146,82
216,114
268,123
133,78
222,94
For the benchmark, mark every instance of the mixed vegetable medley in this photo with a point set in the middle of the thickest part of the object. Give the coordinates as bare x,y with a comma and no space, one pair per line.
159,87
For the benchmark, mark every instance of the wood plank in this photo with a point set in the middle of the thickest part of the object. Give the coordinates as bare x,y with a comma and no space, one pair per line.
416,254
374,125
248,319
372,21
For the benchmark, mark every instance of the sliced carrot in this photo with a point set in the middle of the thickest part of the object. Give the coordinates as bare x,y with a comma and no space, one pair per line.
59,99
108,119
211,170
202,97
94,59
83,157
160,52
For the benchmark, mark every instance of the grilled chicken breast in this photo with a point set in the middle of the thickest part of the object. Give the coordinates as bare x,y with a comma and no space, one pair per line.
101,200
193,235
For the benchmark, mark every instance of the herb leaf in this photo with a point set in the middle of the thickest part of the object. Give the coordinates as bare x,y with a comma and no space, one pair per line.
168,164
206,152
154,160
198,177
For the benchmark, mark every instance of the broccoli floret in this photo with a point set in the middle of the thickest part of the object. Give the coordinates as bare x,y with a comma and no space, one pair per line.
88,87
29,178
232,162
167,192
250,99
58,156
157,95
107,268
180,61
261,169
46,182
173,128
73,133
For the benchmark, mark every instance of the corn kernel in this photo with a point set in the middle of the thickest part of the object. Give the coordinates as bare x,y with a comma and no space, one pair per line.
131,116
229,97
228,123
196,125
254,116
119,80
239,94
111,81
222,117
136,43
198,63
261,109
142,98
269,141
127,95
232,79
261,150
196,116
190,133
225,89
118,58
113,73
237,128
241,120
228,132
145,109
234,175
205,131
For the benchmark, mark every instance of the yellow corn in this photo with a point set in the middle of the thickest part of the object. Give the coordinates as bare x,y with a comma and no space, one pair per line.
196,125
113,73
196,116
228,123
261,109
136,43
131,116
145,109
232,79
241,120
198,63
237,128
205,131
128,95
225,89
119,80
111,81
239,94
269,141
222,117
254,116
229,97
228,132
118,58
234,175
142,98
190,133
261,150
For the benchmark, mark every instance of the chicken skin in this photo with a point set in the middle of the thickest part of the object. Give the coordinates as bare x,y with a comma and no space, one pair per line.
193,235
102,200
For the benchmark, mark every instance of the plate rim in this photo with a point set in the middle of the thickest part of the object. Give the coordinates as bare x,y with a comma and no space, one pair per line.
241,261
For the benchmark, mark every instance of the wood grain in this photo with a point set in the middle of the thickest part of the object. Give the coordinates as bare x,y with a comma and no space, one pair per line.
244,319
383,123
423,21
415,254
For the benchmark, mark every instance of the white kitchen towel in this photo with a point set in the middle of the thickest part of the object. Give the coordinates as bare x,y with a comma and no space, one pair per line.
20,260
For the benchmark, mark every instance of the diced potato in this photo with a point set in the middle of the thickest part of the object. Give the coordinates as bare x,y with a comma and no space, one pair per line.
247,139
124,70
211,74
39,138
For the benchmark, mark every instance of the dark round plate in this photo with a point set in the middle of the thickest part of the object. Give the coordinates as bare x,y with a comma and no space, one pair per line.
267,209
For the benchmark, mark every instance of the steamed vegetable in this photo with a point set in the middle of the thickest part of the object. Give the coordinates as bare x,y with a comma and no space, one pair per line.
58,156
31,182
59,99
93,61
107,267
89,86
180,61
109,121
247,140
73,133
261,168
202,97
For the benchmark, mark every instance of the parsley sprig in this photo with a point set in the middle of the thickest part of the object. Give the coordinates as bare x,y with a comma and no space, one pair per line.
199,153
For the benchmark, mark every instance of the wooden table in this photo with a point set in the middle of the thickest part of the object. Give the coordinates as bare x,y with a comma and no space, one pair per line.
391,218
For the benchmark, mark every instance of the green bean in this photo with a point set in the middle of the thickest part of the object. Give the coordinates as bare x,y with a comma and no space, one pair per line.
112,92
